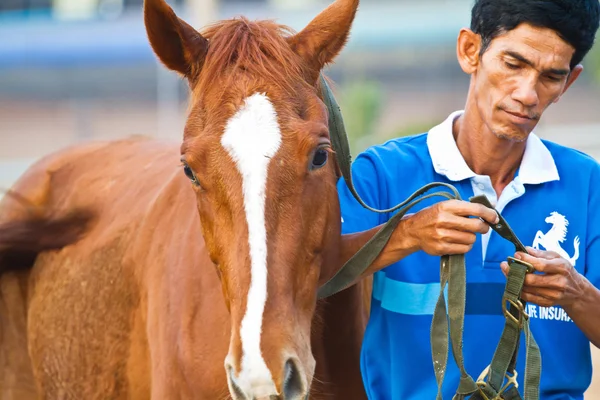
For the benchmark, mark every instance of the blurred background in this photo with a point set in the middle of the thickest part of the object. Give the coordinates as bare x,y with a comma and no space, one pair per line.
78,70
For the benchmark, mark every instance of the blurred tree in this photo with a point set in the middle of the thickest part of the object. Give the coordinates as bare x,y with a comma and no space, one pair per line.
361,104
592,64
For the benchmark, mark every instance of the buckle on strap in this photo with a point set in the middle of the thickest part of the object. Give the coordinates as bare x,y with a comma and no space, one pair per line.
481,383
518,305
512,260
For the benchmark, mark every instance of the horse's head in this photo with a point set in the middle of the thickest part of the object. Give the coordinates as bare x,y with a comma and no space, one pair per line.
256,148
557,219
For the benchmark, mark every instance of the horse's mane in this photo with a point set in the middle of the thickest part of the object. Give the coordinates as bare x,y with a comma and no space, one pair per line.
560,225
259,47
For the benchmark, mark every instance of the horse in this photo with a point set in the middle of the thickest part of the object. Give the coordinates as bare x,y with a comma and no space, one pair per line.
145,269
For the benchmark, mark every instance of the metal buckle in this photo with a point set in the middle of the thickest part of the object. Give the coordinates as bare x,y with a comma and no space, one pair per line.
519,306
512,260
481,383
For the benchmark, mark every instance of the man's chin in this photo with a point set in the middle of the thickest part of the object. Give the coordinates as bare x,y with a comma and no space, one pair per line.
512,136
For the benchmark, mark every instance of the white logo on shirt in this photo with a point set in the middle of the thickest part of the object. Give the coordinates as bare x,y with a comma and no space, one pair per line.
557,234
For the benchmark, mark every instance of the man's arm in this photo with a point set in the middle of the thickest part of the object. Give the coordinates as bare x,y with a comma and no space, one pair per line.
585,312
444,228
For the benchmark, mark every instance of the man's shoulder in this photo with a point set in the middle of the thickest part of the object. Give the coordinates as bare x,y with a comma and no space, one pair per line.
570,160
401,149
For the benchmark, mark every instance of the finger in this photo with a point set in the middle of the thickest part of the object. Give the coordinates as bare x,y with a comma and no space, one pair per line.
465,208
452,236
459,223
547,266
540,301
504,267
408,215
548,255
457,249
548,294
551,282
440,248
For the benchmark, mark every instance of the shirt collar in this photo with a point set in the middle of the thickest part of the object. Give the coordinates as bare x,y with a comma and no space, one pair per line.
536,167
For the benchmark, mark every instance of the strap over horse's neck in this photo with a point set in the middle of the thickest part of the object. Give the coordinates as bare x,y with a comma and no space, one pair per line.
490,385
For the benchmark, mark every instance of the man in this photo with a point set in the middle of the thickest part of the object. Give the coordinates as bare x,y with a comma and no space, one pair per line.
522,56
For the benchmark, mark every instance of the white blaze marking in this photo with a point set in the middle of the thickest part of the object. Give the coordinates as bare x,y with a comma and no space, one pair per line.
252,137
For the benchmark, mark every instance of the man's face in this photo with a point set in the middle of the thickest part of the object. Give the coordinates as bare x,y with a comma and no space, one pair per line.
520,74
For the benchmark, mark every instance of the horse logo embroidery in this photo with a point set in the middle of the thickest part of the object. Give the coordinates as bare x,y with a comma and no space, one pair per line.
552,239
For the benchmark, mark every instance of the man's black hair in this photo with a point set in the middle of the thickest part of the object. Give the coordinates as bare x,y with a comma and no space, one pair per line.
575,21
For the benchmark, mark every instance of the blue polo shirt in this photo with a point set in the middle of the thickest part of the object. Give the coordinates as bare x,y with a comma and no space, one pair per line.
553,203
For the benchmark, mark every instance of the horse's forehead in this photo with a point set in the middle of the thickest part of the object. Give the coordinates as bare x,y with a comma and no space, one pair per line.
253,130
250,129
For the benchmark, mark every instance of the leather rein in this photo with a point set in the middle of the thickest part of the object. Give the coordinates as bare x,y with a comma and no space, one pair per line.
499,380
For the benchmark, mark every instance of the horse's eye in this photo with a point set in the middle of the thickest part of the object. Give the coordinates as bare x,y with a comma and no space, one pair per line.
190,174
320,158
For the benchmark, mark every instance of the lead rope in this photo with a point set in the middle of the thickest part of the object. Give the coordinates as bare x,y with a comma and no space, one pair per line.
453,273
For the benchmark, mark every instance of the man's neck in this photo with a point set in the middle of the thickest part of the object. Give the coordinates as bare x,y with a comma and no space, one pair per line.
485,153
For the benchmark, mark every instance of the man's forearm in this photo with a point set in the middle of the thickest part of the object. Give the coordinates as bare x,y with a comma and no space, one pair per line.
585,312
396,249
443,228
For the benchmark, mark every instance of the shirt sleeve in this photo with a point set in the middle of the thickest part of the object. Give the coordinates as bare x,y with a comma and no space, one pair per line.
592,267
355,217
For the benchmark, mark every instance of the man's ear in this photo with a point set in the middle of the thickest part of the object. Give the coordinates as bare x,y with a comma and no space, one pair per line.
179,46
468,49
573,75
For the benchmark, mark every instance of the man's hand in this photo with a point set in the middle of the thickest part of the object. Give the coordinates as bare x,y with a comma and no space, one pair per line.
445,227
555,282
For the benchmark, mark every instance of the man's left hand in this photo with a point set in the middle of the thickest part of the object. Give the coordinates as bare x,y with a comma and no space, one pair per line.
555,282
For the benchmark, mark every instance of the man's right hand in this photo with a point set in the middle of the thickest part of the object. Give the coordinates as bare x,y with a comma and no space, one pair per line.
441,229
445,227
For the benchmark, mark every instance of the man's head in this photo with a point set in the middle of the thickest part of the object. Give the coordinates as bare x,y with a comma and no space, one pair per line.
522,56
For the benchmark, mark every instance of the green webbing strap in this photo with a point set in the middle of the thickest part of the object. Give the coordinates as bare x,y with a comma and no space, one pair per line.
533,365
439,329
512,326
453,274
364,257
503,360
457,288
360,261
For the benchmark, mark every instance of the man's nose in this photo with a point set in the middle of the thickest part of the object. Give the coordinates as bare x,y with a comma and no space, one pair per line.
526,92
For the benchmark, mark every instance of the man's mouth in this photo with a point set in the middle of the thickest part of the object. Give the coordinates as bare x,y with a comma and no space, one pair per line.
519,116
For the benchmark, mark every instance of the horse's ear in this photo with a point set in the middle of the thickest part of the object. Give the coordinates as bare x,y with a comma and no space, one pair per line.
179,46
325,36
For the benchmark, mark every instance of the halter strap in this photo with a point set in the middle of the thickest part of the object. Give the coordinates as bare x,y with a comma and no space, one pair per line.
453,274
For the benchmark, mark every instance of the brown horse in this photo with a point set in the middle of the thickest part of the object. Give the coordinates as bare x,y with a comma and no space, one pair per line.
124,279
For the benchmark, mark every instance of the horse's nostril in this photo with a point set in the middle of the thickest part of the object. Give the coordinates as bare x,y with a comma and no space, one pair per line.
237,392
293,384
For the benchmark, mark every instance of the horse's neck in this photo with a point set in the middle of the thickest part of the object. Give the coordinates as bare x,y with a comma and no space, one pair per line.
556,233
339,323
